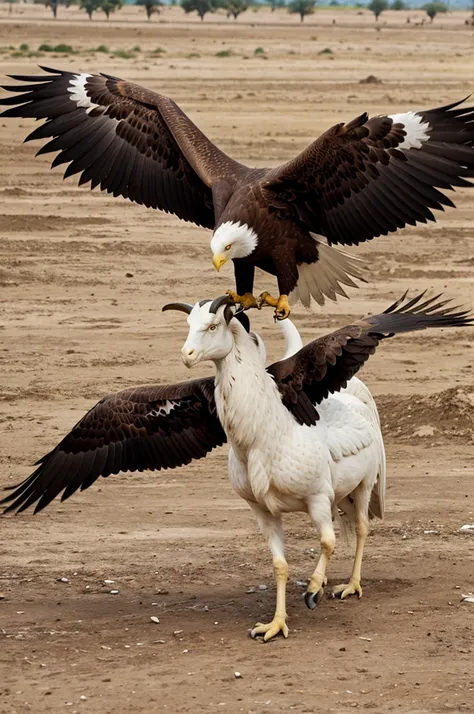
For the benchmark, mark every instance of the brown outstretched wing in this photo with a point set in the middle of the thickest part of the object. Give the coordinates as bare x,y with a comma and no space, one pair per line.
325,365
372,176
128,140
143,428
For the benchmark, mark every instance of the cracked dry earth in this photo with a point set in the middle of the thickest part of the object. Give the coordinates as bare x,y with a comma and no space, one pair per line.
180,546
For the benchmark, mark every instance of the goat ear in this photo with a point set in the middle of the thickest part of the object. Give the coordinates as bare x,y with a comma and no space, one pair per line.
228,313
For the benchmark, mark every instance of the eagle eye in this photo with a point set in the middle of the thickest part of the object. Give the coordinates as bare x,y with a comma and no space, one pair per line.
228,247
212,327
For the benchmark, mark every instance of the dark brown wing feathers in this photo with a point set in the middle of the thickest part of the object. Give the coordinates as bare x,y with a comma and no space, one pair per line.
358,180
133,143
325,365
145,428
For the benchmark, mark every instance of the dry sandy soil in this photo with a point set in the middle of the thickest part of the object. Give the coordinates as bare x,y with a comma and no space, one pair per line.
180,545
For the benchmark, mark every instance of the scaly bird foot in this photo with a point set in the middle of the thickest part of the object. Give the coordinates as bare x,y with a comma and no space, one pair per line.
281,304
351,588
269,630
245,301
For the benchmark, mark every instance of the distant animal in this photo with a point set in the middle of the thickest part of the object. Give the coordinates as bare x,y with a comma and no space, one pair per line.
358,180
304,433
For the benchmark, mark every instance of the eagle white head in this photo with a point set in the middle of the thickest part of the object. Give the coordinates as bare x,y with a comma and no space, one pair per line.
232,240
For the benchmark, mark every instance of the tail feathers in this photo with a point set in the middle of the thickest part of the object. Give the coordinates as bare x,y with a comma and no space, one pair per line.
325,278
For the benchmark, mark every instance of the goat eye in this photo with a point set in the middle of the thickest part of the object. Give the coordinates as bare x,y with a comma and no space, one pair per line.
228,247
212,327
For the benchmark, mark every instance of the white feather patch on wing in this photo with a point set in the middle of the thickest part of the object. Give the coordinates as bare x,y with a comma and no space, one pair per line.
163,410
325,278
418,131
79,94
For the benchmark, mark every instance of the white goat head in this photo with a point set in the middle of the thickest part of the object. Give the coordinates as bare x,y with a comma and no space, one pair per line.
210,336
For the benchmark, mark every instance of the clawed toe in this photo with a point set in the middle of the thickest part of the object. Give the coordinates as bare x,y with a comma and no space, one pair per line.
281,305
346,589
246,301
270,629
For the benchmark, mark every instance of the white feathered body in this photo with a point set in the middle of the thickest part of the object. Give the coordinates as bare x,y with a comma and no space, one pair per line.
281,464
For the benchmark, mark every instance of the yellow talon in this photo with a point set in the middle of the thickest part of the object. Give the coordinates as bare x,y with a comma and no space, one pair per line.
269,630
246,301
281,304
351,588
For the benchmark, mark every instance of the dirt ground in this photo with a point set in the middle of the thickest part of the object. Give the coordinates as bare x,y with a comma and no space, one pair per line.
180,545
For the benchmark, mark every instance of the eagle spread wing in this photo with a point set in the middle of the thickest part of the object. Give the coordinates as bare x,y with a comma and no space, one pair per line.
149,427
326,365
372,176
129,140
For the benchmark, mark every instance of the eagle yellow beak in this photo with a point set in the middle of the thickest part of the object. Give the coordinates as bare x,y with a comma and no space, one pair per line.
218,260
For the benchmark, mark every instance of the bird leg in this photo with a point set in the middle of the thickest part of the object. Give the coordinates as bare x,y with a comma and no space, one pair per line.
281,304
320,511
353,586
272,529
246,301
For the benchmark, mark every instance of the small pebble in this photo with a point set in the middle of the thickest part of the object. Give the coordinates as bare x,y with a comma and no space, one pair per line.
83,698
469,597
63,580
185,651
237,675
262,587
301,583
431,532
114,592
109,582
250,591
153,618
467,527
2,596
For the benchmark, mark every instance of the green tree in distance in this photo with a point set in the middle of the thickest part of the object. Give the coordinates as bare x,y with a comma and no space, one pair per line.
202,7
151,6
377,7
434,8
302,8
236,7
110,6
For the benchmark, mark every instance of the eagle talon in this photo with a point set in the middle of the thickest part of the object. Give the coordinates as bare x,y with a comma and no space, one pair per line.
281,304
246,301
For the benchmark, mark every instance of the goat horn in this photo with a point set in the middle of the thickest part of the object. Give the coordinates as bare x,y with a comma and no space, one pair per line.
181,306
218,302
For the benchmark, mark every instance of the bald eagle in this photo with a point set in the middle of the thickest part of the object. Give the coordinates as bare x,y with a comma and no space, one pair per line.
358,180
304,435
